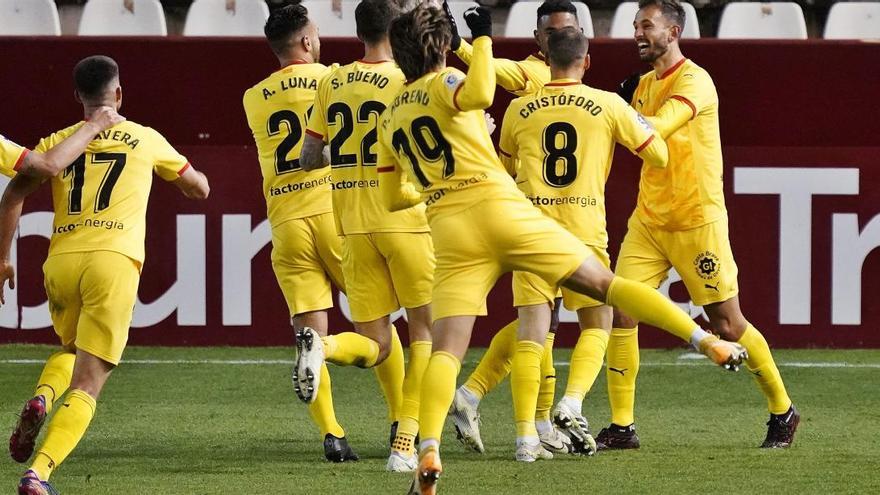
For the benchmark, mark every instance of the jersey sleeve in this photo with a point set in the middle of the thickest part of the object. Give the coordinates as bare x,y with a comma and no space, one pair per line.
11,156
692,93
167,162
507,146
476,90
317,125
632,130
509,74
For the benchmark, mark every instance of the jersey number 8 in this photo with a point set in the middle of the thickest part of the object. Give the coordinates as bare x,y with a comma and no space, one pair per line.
553,153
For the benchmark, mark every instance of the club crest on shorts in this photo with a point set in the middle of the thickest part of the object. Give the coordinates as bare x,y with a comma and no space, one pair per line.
707,265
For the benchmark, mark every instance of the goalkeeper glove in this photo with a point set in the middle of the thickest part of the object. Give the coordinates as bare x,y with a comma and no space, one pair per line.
479,20
627,88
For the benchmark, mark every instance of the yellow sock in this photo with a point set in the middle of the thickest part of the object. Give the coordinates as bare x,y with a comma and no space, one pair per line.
586,362
525,380
495,364
623,367
547,391
390,374
762,367
55,377
646,304
350,349
419,354
65,430
438,388
322,411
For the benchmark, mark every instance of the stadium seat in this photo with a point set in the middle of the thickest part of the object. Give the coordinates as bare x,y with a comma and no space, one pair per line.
622,24
330,23
521,19
29,18
210,18
771,20
458,9
853,20
111,18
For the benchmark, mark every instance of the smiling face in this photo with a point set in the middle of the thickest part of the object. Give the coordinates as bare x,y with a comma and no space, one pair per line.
654,32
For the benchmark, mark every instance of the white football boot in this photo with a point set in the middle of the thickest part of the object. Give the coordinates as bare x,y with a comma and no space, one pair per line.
309,360
576,427
466,419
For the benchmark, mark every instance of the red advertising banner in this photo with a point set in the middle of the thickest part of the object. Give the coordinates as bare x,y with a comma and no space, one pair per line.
802,183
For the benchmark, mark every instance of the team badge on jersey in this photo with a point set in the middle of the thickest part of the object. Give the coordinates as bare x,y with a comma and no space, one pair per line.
644,123
452,81
707,265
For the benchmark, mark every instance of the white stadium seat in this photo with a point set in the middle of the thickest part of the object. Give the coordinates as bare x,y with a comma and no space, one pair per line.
622,24
111,18
853,20
770,20
521,20
457,9
210,18
330,23
29,18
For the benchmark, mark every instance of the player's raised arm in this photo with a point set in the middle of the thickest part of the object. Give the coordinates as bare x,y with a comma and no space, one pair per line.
508,73
477,90
693,92
10,212
54,160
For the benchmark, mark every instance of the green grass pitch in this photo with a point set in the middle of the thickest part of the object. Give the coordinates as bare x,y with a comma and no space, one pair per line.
187,421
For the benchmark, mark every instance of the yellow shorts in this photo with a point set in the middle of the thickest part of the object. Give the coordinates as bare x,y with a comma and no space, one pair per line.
529,289
91,299
702,256
306,258
476,246
386,270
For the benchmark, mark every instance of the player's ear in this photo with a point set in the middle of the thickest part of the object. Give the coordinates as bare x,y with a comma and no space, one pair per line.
76,96
587,62
306,43
118,97
675,33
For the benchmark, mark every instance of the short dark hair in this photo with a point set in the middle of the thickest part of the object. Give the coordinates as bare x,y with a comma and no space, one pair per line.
419,40
566,46
373,17
556,6
91,76
671,10
283,24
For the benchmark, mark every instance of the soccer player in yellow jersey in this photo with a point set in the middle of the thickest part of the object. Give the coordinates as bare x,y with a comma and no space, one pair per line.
387,258
434,147
306,251
520,78
18,159
95,258
680,221
524,77
558,143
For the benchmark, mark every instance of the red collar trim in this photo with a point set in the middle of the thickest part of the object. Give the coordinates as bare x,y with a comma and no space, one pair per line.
374,63
672,69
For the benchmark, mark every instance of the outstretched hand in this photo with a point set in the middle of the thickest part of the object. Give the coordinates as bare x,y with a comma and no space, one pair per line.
479,20
7,273
456,38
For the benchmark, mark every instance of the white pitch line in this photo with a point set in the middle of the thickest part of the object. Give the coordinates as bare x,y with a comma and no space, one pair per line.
561,364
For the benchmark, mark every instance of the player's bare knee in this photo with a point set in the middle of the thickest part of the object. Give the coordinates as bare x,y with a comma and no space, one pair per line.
591,279
621,320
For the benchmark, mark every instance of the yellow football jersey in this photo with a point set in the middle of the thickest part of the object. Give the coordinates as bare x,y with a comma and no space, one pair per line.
521,78
100,200
11,156
683,105
563,138
346,115
277,110
446,152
